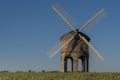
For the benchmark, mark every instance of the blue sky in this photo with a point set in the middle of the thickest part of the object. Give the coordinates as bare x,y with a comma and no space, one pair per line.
28,28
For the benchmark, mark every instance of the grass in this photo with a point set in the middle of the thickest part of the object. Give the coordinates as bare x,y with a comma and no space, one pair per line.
58,76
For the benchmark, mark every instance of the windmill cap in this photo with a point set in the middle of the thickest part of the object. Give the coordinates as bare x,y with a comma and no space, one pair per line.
73,32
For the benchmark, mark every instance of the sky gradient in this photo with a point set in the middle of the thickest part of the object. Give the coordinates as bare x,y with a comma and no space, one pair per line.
28,28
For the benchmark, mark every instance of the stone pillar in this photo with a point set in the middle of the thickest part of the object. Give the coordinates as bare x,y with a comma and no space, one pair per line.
71,64
83,64
75,64
86,63
64,66
63,63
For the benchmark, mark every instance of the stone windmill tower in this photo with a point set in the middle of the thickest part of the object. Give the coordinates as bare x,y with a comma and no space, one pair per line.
75,44
76,49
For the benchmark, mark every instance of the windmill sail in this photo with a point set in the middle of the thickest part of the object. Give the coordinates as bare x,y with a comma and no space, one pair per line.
57,50
96,52
94,18
64,15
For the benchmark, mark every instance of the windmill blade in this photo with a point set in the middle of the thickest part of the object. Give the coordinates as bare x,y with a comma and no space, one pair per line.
93,19
62,46
94,61
64,15
58,44
96,52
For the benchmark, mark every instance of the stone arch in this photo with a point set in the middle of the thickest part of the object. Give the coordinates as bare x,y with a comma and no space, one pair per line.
70,64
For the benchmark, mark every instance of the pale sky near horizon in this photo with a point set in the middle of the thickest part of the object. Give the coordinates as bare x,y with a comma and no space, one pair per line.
28,28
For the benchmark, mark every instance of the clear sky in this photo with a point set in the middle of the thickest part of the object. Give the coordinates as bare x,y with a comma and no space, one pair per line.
28,28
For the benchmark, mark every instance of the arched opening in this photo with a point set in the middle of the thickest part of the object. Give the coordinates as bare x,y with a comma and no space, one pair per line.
79,65
69,64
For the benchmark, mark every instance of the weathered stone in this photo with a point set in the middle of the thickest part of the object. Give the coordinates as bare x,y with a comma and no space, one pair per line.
76,49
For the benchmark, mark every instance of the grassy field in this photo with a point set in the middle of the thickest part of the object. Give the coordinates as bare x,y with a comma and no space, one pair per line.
58,76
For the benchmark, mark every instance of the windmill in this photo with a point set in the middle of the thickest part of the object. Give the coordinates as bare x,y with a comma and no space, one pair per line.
75,44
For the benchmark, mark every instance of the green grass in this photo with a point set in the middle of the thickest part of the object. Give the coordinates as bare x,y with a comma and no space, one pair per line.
58,76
